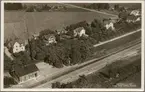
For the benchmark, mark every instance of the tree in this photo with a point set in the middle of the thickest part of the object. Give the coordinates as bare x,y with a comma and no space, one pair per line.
46,7
9,81
85,49
116,7
74,26
75,54
53,57
30,9
88,30
123,15
106,6
22,58
46,32
56,85
7,62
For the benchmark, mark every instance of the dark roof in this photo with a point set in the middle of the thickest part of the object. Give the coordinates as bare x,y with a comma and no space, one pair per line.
132,17
13,41
24,70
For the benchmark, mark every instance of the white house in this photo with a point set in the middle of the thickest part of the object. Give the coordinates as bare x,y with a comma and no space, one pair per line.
108,24
18,47
80,32
49,39
135,13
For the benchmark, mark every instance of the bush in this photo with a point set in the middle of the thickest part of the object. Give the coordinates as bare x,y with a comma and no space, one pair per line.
7,62
8,81
46,32
56,85
30,9
46,7
99,6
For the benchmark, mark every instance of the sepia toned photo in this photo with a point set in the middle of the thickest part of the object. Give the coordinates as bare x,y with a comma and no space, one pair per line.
72,45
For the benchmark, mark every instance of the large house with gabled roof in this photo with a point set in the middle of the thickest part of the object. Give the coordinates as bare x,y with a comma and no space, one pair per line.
22,73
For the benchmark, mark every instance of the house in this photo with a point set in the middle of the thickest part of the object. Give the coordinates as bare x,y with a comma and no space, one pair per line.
135,13
23,73
108,24
138,19
35,36
133,19
17,45
114,19
49,39
61,31
80,32
130,19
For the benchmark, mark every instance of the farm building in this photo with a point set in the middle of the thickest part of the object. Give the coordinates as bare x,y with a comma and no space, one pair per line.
24,73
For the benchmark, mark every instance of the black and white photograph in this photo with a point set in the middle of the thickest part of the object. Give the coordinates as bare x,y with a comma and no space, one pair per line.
78,45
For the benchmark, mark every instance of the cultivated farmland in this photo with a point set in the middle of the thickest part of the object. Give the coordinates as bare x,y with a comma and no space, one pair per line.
37,21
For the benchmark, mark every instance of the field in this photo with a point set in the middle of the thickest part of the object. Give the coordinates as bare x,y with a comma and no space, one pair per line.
101,79
15,26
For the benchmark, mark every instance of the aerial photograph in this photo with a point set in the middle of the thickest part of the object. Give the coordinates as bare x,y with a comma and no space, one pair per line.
72,45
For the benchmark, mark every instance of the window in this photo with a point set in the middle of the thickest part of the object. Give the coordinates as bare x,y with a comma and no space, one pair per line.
35,74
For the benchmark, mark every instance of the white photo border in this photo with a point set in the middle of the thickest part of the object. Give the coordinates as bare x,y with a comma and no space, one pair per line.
84,89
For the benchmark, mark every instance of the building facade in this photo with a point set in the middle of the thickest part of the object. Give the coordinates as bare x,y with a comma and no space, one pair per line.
80,32
23,73
17,47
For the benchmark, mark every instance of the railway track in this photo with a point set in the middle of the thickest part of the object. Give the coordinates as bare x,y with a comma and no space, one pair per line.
86,68
129,45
